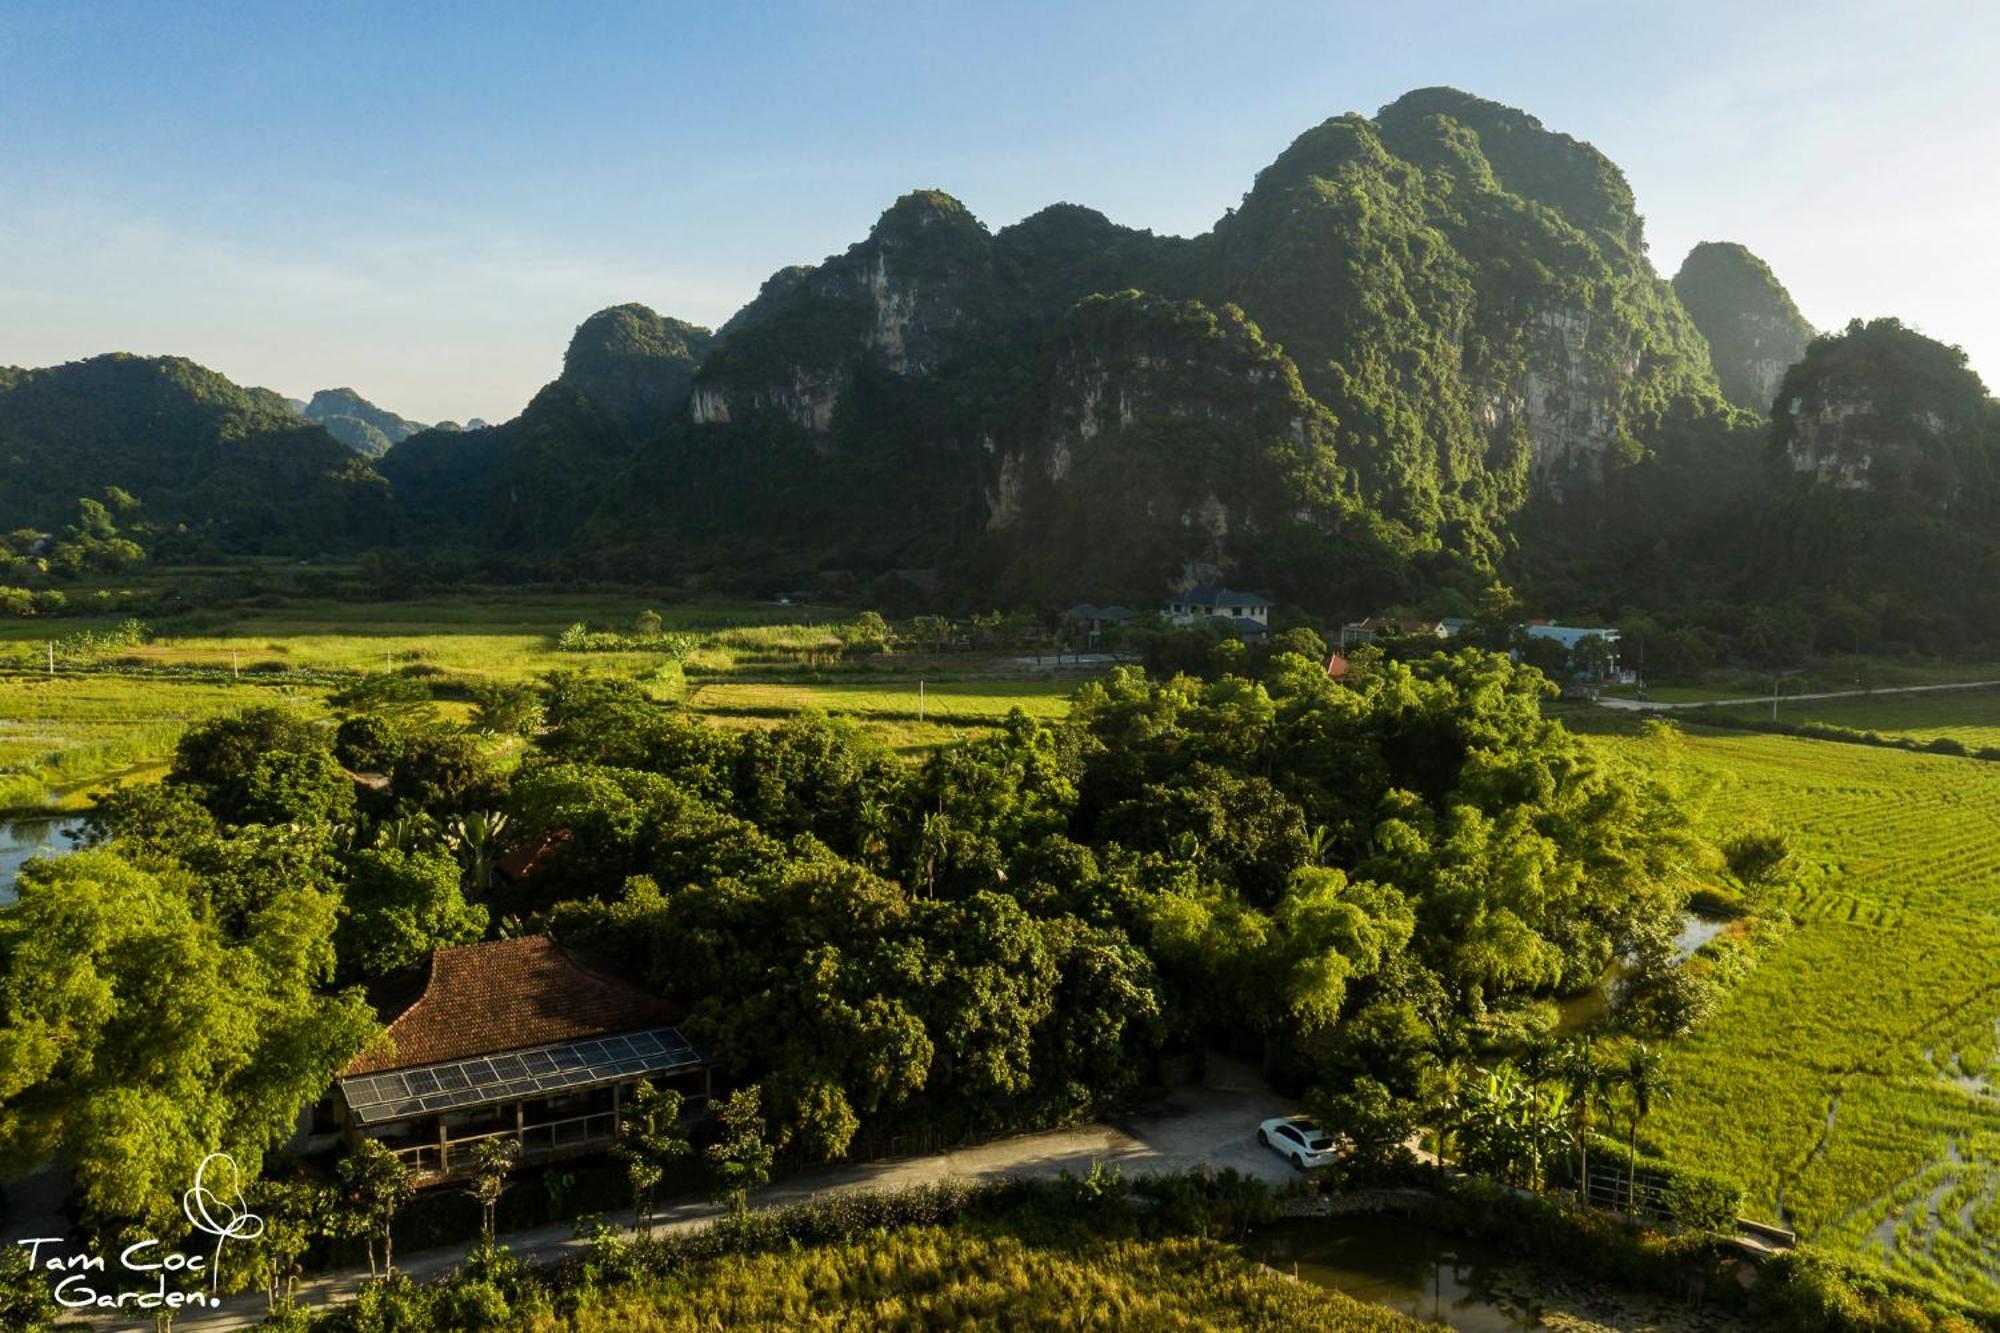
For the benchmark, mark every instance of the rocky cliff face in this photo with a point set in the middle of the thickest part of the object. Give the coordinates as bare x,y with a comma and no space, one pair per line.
1754,331
1171,443
1881,408
1446,307
1468,293
894,302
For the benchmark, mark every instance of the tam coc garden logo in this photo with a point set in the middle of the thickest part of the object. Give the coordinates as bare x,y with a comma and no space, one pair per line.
148,1276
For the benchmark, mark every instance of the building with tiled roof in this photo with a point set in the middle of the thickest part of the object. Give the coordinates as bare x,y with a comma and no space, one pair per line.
1208,599
510,1038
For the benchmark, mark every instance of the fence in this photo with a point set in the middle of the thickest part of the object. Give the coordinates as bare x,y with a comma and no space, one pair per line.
550,1139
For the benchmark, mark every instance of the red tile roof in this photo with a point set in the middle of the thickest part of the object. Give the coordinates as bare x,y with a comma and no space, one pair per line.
503,995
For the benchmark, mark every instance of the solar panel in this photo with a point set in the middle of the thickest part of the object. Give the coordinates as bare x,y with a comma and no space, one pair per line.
375,1098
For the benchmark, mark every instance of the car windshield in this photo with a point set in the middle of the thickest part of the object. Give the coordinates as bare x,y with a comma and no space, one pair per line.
1321,1144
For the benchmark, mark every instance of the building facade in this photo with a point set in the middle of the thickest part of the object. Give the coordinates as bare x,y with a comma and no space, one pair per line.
511,1039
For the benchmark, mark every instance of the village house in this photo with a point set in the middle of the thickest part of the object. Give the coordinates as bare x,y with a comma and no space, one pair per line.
1358,632
1096,621
1245,612
1570,636
510,1039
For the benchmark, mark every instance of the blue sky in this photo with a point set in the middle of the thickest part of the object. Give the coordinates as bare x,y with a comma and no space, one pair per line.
423,200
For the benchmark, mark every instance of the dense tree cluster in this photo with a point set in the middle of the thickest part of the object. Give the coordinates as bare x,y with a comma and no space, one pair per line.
1350,878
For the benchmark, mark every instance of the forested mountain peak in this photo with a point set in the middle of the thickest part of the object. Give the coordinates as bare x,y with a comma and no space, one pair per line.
1530,160
1426,352
1460,296
1754,330
234,465
1880,407
357,423
635,364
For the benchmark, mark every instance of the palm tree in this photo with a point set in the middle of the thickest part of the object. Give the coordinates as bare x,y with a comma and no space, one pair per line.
1644,1084
1447,1101
1582,1077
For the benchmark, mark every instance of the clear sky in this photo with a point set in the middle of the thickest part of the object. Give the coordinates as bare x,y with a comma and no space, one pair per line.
423,200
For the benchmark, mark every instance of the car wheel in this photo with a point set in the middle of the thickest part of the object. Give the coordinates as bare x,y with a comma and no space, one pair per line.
1299,1161
1263,1138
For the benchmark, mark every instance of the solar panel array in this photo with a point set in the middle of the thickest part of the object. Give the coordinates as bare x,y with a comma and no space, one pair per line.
374,1098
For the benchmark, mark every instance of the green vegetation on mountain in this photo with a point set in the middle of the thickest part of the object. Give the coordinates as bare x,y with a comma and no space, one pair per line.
1449,317
633,364
357,423
1886,448
1426,355
1754,331
215,465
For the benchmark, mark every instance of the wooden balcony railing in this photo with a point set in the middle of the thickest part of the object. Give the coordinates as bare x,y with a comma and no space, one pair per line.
553,1138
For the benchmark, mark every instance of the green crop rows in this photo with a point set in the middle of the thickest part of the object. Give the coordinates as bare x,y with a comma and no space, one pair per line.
1850,1080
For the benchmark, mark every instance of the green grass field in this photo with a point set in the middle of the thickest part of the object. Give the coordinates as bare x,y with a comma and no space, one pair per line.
64,736
1850,1080
509,637
1971,716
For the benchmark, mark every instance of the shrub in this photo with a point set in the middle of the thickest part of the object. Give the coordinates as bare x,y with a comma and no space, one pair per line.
1758,855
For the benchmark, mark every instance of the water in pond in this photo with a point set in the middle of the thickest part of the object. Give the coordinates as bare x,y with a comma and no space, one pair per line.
1695,932
1582,1011
1399,1263
23,839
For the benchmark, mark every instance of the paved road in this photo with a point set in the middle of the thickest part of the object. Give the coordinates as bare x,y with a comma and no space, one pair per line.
1214,1124
1652,706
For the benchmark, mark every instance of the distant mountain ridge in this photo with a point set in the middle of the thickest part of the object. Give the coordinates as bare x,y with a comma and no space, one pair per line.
236,466
357,423
1426,353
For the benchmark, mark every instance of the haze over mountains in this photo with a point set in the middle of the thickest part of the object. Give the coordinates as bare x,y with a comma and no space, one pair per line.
1427,351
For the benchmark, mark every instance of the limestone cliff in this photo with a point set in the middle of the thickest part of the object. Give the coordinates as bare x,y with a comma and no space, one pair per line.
1880,408
357,423
1169,444
1754,331
893,301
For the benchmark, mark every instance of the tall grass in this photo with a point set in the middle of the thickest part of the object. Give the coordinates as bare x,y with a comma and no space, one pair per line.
933,1277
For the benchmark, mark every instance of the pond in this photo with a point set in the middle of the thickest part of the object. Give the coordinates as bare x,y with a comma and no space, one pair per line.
1582,1011
1402,1264
23,839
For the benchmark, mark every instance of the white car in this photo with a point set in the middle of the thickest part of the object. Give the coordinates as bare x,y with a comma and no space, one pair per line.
1298,1140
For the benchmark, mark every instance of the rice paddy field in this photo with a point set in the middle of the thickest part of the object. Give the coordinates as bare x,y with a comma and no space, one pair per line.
978,702
1852,1080
1971,716
112,715
63,737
